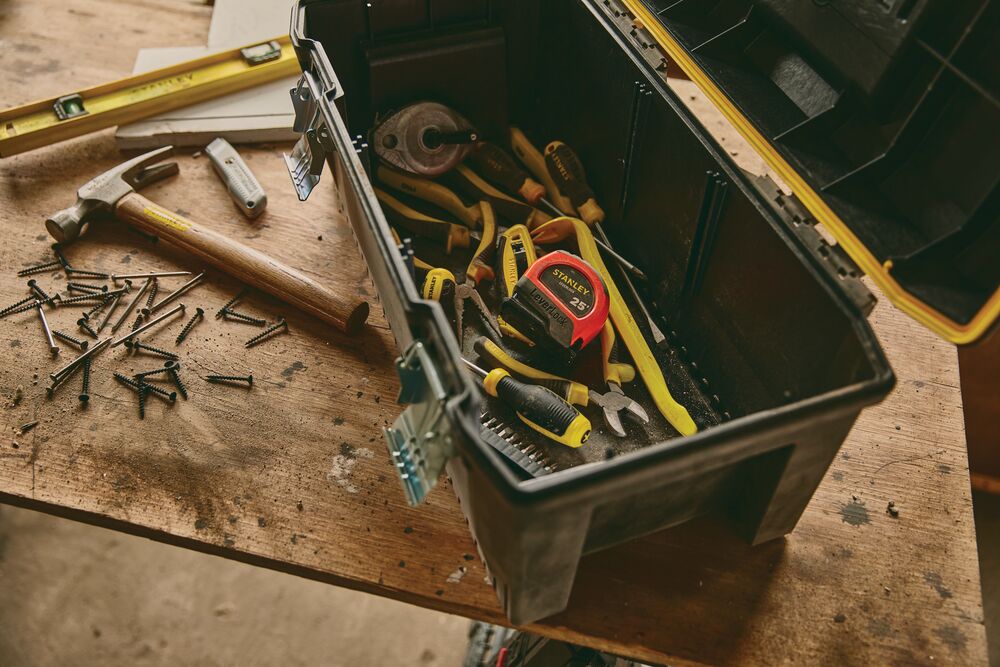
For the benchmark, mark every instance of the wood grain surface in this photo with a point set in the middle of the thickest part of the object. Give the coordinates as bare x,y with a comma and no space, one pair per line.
293,475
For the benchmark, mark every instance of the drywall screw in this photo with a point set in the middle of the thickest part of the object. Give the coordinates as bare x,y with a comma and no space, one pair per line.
82,344
60,257
155,371
174,370
198,314
95,310
40,268
85,391
88,275
68,369
53,348
138,321
33,286
84,298
189,285
142,398
229,304
85,325
267,333
27,427
24,308
218,379
131,304
87,289
9,310
136,345
129,382
151,297
179,308
240,317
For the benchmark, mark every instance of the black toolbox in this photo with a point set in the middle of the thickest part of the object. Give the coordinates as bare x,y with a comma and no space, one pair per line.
767,341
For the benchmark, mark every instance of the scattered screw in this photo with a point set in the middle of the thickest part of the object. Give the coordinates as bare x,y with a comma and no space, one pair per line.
90,274
27,427
39,268
267,333
198,314
84,298
143,390
219,379
135,345
138,321
174,369
9,310
156,371
88,289
85,391
240,317
151,296
33,286
95,310
83,324
82,344
60,257
53,348
129,382
229,304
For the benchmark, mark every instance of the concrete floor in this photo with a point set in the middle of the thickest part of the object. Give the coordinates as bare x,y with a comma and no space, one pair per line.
75,594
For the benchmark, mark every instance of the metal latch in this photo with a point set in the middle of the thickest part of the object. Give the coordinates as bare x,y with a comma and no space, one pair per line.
420,440
305,164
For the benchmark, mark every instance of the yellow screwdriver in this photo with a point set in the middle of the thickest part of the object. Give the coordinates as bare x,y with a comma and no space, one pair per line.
540,408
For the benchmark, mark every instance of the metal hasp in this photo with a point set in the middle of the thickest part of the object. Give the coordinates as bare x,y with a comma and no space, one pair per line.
305,164
420,440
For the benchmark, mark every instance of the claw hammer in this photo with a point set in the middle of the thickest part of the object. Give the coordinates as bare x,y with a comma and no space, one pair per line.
115,191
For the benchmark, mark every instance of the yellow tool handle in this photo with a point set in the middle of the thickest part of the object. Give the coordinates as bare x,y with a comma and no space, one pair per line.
573,392
341,308
421,224
431,192
614,371
566,169
533,159
645,362
516,253
437,284
540,408
534,217
480,268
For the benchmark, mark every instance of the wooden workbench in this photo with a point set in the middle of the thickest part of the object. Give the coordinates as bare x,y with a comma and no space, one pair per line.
293,474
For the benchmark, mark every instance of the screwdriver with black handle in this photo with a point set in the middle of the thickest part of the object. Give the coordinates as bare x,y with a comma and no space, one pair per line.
540,408
490,161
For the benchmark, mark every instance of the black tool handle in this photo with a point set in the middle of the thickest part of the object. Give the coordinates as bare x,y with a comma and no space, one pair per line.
567,171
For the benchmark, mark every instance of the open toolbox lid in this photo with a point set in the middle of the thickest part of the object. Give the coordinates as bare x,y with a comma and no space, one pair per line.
880,116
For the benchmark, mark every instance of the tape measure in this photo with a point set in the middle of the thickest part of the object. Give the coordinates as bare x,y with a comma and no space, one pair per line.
560,303
127,100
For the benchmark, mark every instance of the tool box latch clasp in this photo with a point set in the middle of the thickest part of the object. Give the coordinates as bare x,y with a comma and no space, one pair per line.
420,440
305,164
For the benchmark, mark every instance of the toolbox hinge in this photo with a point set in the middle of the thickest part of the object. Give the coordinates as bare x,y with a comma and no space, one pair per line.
832,258
420,440
305,164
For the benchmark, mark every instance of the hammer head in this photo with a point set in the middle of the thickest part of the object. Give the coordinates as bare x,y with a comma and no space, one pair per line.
104,191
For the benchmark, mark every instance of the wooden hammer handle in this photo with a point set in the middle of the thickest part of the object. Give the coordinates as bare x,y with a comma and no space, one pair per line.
342,309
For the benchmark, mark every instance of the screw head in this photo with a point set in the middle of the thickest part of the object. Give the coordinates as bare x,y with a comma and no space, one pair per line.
199,311
172,364
84,398
250,380
32,282
81,321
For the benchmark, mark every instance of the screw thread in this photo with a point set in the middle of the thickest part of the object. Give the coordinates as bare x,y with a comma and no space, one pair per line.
81,272
82,344
256,321
129,382
82,287
142,399
153,289
86,327
39,268
229,304
230,378
83,298
266,333
41,293
190,325
181,389
14,306
60,257
96,309
136,345
85,391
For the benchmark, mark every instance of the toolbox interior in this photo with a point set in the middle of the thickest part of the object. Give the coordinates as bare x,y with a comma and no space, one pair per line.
750,327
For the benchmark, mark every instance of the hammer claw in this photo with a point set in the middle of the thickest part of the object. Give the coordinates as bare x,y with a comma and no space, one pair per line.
144,177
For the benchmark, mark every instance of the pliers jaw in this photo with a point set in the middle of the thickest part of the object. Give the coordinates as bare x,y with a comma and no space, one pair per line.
613,404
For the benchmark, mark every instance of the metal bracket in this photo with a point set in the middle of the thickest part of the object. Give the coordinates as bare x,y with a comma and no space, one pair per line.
420,440
305,164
